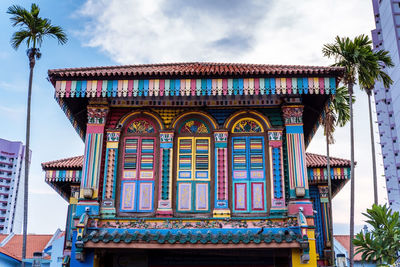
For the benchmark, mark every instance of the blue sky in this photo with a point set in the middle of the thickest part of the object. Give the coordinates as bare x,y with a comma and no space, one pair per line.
132,32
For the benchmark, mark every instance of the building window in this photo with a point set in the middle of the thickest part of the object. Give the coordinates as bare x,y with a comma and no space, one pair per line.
248,167
138,167
193,166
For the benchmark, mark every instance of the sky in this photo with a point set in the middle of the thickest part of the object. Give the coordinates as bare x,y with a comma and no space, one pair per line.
115,32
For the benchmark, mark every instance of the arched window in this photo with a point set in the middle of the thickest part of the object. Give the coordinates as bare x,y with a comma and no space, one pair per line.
248,166
193,166
138,166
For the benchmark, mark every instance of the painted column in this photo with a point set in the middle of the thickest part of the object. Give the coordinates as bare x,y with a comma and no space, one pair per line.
73,200
110,173
296,157
92,159
323,197
293,116
276,171
165,174
221,208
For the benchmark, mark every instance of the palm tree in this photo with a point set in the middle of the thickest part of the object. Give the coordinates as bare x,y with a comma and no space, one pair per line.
337,113
359,63
384,61
32,30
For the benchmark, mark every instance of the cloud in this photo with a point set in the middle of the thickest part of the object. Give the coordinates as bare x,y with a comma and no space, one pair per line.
284,31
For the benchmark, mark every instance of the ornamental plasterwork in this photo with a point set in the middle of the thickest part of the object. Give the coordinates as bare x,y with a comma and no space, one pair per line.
275,135
247,126
293,115
97,115
140,126
221,137
166,137
113,136
179,224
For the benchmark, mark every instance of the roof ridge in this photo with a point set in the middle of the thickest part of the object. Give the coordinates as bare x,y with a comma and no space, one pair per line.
198,63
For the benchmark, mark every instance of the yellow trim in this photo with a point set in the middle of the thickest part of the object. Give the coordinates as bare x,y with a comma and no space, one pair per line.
258,114
296,253
211,119
247,119
128,116
112,144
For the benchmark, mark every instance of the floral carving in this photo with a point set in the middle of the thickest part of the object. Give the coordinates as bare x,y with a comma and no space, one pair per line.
140,127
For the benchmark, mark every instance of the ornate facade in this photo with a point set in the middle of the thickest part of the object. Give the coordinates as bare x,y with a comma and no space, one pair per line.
185,158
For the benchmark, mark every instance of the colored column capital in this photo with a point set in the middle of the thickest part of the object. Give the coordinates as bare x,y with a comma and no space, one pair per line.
221,136
113,135
97,114
275,138
293,114
166,137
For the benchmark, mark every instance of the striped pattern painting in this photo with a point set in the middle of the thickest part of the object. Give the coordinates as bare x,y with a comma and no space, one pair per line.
130,161
148,146
256,145
185,146
147,162
131,146
195,87
239,145
239,162
256,161
202,146
201,162
185,162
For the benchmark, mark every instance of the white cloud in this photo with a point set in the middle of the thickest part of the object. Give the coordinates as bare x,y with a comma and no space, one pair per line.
270,32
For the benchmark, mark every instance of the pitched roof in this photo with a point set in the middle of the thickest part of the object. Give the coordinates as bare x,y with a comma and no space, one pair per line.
193,69
35,243
344,240
67,163
315,160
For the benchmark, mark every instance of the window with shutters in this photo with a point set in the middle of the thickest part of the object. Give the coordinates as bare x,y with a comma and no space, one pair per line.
138,166
193,167
248,167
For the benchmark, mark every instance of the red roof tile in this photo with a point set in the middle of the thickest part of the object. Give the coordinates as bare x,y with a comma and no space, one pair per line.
67,163
344,240
194,69
35,243
315,160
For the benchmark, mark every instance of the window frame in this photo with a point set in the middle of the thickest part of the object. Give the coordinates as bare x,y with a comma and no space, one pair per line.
156,163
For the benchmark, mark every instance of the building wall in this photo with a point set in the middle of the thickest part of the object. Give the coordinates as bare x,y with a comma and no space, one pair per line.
12,170
386,36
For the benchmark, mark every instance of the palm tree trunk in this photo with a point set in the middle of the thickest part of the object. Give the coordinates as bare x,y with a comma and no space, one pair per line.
31,56
373,150
330,201
350,87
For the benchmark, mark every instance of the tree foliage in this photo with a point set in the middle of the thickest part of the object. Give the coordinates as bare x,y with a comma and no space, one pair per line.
382,243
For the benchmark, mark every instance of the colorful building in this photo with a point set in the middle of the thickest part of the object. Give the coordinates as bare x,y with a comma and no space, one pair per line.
196,164
12,173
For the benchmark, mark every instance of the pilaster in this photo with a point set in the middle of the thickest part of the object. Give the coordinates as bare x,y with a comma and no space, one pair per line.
221,208
276,170
89,191
297,169
165,185
110,173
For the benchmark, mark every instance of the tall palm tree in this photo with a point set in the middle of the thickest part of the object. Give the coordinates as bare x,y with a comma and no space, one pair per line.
384,61
360,63
32,29
337,113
